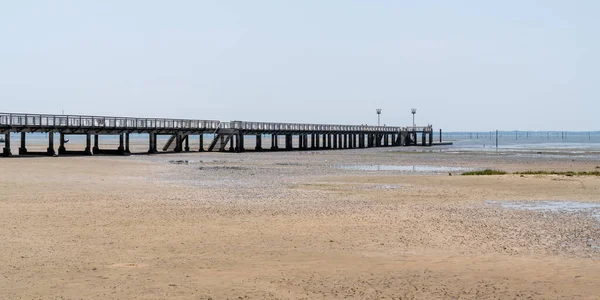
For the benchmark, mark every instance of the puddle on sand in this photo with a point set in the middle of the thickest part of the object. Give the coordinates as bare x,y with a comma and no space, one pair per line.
378,187
553,206
416,168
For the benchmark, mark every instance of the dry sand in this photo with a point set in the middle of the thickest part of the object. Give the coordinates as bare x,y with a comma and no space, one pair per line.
291,225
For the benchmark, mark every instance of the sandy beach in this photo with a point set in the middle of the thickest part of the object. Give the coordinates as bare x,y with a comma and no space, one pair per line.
296,225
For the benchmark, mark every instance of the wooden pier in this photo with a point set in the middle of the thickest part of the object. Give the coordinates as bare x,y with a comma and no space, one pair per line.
228,136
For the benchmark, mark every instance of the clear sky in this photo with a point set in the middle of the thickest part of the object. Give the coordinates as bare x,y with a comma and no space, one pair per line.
465,65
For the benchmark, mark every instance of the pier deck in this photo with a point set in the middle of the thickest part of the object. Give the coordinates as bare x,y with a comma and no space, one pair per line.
228,136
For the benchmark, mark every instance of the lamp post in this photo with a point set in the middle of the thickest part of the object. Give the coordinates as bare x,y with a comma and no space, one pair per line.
413,111
378,115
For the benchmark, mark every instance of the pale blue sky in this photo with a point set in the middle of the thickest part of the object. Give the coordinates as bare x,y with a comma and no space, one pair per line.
466,65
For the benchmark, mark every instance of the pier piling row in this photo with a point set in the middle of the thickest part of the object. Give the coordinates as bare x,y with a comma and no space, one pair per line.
228,136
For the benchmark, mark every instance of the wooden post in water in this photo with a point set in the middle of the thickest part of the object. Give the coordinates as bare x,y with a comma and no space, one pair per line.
496,138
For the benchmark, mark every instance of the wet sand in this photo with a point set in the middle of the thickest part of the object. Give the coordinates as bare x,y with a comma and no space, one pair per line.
295,225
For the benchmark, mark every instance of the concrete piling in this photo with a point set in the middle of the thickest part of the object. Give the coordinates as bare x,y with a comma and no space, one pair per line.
61,147
50,151
88,144
22,149
6,150
258,146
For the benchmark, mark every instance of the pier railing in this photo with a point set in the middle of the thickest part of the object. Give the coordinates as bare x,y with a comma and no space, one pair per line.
102,122
243,125
46,121
419,128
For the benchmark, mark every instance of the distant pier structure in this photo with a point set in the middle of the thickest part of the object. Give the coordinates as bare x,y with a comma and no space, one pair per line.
228,136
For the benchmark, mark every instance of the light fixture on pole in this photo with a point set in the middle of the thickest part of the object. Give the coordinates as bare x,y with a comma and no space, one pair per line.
413,111
378,115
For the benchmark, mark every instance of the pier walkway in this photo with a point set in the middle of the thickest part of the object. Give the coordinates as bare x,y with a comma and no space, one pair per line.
228,136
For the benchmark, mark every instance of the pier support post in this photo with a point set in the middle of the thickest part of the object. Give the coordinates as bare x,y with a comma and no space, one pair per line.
96,148
273,142
361,140
88,144
305,141
127,150
232,142
201,143
240,143
152,143
258,142
335,142
423,139
187,143
23,148
329,138
6,151
61,148
341,141
121,148
441,135
288,142
222,143
312,141
178,143
430,138
50,150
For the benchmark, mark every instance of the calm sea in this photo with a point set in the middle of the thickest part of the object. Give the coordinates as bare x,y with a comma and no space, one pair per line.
524,140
